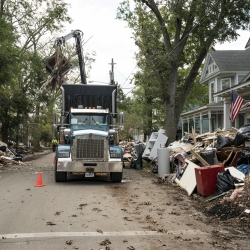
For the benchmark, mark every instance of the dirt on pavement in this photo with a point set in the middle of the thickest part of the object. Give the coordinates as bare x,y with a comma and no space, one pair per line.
182,222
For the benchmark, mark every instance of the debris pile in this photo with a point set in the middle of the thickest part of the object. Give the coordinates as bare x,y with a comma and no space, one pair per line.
9,156
212,159
214,168
132,154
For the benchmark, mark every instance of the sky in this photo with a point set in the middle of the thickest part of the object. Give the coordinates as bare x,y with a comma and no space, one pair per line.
111,38
107,36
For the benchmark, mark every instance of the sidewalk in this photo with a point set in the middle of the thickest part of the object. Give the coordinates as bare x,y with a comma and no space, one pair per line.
37,154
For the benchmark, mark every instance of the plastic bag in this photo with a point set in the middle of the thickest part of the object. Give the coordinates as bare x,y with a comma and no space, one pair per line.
244,168
3,148
223,141
242,135
225,182
244,158
208,156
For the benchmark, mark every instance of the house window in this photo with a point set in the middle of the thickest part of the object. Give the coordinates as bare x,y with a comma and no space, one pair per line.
211,60
225,83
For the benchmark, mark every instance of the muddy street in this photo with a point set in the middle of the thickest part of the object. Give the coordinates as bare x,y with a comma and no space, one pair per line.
138,213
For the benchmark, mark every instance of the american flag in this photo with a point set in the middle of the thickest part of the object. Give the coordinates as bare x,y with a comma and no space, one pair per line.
235,105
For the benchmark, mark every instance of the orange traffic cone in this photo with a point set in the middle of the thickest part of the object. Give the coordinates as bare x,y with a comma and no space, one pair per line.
39,182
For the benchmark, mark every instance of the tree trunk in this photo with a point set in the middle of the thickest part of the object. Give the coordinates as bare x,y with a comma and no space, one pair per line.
170,101
5,126
36,135
148,128
170,123
1,7
4,131
26,132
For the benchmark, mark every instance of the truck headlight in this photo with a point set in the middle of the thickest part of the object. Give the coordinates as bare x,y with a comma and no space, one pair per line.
115,155
63,154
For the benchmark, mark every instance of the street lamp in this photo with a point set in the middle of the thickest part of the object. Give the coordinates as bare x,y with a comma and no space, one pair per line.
99,82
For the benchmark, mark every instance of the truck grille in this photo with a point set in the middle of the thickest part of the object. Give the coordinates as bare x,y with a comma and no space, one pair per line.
90,149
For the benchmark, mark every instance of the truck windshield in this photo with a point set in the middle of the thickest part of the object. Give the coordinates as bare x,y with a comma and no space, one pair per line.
90,121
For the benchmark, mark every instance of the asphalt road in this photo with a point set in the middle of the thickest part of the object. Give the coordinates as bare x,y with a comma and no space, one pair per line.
97,214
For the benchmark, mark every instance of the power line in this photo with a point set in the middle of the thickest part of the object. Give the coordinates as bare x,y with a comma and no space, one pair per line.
129,75
120,72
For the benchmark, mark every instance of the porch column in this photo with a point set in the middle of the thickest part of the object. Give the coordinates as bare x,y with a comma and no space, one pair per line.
227,123
210,122
216,121
237,122
188,125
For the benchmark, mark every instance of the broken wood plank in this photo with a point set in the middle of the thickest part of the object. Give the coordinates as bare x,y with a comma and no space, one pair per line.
188,179
217,196
186,147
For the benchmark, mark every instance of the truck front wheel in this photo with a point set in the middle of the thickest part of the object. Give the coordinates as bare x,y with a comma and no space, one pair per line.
116,177
60,176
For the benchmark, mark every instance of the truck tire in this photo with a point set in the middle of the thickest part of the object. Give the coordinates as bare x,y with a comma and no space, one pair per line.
116,177
60,176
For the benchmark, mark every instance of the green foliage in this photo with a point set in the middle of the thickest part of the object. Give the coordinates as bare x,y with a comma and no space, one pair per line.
8,53
46,133
199,92
121,99
198,98
26,28
132,121
173,38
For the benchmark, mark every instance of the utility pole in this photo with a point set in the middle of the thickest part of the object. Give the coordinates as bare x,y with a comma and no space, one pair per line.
111,72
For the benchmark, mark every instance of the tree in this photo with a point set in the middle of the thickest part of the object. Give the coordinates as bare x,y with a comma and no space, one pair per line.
9,68
33,23
174,36
8,52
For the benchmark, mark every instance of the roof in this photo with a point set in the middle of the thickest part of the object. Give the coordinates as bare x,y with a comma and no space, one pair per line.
232,60
248,44
246,78
211,106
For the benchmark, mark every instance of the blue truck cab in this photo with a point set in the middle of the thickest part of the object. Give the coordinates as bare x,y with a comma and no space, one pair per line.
88,133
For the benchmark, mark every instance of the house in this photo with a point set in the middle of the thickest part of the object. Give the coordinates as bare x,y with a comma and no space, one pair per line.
223,71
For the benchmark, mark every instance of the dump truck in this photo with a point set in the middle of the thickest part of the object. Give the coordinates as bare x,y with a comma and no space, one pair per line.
88,142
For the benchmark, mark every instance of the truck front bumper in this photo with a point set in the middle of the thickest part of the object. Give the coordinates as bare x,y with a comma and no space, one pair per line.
66,165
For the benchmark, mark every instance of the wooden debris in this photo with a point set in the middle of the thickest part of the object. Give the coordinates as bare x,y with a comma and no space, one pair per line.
3,144
187,147
197,156
188,179
8,160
